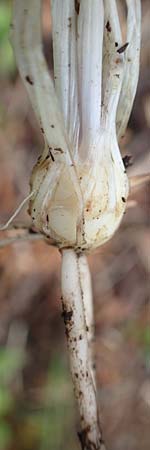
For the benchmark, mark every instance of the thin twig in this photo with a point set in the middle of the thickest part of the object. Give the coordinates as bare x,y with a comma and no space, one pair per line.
20,238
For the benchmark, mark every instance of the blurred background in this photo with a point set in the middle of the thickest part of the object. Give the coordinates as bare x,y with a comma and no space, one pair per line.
37,409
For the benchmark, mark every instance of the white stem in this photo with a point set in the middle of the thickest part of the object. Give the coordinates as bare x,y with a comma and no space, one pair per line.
75,327
113,65
86,285
26,37
131,70
90,41
65,65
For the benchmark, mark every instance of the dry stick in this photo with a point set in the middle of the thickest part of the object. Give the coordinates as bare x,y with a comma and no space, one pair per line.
76,333
20,238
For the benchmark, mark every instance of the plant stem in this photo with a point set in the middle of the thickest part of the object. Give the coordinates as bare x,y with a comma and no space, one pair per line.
86,286
80,365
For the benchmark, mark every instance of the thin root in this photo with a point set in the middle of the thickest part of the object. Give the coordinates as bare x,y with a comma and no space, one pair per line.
17,211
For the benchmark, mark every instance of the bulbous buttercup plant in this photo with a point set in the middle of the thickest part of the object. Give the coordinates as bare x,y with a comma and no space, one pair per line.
79,185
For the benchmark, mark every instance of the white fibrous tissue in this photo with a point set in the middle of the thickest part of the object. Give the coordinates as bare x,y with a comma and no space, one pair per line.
80,186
